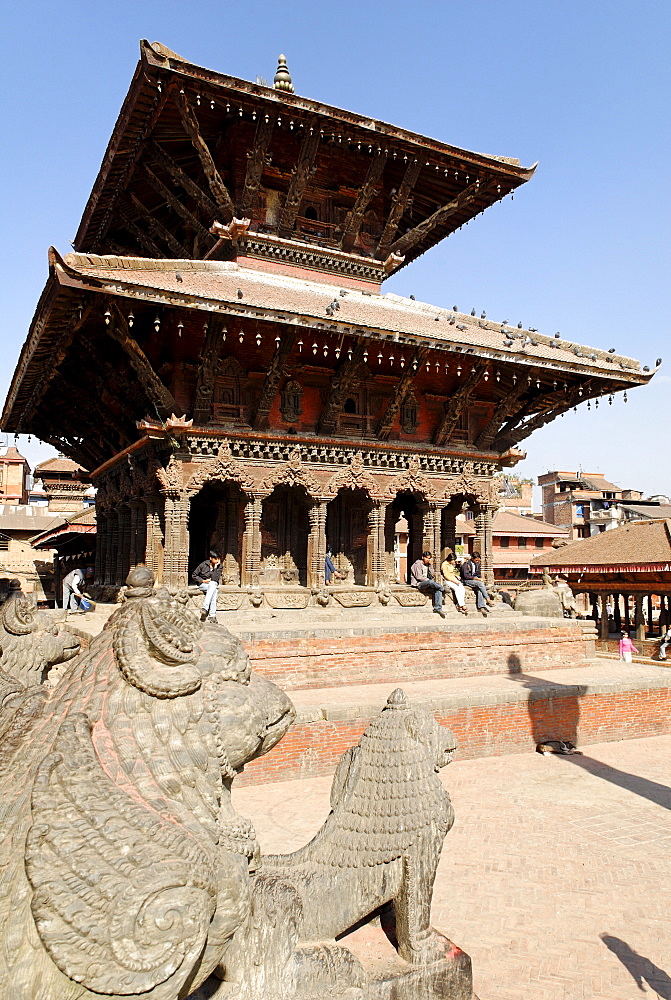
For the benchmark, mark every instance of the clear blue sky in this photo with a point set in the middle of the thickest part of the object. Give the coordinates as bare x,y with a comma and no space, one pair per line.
582,86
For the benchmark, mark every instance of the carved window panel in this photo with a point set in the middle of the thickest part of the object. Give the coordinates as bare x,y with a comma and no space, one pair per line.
409,414
290,402
230,397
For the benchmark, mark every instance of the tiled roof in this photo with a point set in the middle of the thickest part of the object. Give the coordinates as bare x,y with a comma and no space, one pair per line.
208,284
59,464
82,521
638,543
648,511
505,522
12,455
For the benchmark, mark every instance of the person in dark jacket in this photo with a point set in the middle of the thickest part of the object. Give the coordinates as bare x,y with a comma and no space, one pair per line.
470,574
207,576
422,577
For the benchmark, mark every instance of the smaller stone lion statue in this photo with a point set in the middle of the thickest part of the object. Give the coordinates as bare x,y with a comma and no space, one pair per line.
376,853
31,642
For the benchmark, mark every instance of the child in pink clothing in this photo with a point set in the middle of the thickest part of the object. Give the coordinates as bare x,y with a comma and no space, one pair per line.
626,648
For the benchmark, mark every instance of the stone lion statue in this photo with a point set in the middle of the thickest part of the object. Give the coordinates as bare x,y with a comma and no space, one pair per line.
125,870
376,853
30,641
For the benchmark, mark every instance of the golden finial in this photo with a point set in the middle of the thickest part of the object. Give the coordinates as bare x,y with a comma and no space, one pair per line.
282,79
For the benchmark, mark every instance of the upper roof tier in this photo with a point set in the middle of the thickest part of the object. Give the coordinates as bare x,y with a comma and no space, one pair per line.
193,148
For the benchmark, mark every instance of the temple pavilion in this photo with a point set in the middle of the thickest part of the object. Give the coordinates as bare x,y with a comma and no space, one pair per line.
242,380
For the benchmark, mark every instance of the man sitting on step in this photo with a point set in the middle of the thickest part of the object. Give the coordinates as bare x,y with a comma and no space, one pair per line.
421,577
470,574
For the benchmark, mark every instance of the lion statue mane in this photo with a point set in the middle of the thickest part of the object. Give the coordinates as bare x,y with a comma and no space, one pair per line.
31,642
124,868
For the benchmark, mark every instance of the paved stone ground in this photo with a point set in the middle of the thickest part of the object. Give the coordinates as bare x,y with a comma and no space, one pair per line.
556,877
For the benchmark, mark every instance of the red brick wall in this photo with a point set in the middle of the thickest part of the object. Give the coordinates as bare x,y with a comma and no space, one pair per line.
311,749
332,662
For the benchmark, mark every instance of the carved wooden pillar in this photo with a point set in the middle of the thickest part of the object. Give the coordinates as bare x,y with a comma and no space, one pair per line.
120,572
639,623
448,535
616,613
135,554
375,561
153,553
427,515
317,545
604,630
176,550
483,527
251,544
112,547
101,544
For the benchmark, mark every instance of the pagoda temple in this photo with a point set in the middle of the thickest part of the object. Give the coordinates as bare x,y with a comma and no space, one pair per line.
242,381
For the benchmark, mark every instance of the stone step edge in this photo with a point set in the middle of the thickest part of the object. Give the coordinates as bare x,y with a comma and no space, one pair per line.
453,702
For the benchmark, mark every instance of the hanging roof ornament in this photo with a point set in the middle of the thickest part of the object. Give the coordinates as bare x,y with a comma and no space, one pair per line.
282,79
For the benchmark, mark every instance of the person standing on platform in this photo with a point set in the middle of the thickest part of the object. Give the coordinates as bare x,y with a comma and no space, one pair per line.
451,576
421,577
207,576
626,648
470,574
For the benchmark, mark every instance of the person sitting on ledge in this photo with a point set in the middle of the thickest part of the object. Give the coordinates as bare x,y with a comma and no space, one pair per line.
207,575
421,577
451,577
470,574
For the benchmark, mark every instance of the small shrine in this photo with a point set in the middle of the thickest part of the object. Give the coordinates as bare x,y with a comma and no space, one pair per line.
244,382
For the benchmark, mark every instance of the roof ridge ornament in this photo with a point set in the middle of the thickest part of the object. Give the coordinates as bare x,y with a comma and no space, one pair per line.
282,79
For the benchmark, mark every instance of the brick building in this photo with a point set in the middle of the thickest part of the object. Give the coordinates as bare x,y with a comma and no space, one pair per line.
517,540
14,477
65,484
571,499
18,559
515,494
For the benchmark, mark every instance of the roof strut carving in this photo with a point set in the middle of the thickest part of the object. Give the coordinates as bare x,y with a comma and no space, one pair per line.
184,181
157,229
274,375
176,205
191,126
354,218
348,375
400,392
555,404
299,182
416,235
157,392
255,163
144,239
501,414
456,405
399,203
202,400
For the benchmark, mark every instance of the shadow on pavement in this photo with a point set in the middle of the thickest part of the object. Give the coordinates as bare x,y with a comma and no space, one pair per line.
549,720
639,968
652,790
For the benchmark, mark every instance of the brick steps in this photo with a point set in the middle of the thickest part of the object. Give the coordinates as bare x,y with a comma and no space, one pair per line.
604,700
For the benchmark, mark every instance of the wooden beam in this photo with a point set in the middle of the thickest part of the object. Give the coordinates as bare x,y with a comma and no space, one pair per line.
217,187
74,391
160,396
131,394
344,380
183,179
202,400
256,159
299,181
416,235
176,205
399,203
86,455
144,239
355,216
401,390
456,405
158,230
274,375
518,433
501,414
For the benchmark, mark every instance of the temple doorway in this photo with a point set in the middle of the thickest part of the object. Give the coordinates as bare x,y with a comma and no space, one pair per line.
216,520
403,531
347,533
284,536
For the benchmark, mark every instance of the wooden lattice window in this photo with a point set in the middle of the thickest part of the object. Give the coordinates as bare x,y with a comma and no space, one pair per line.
4,543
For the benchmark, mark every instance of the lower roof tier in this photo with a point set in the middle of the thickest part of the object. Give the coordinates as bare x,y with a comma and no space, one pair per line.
237,349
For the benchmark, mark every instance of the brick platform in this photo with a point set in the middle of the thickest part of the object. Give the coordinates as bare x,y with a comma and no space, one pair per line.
360,652
602,701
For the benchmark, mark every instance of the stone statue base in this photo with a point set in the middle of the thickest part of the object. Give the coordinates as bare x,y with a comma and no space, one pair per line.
390,978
